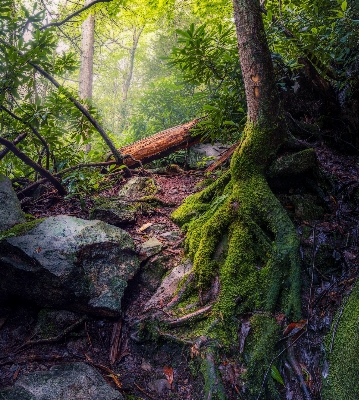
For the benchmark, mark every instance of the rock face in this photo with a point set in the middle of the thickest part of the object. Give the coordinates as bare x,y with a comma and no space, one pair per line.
69,263
10,210
75,381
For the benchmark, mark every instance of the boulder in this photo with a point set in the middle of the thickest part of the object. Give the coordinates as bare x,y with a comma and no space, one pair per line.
10,209
69,263
75,381
138,187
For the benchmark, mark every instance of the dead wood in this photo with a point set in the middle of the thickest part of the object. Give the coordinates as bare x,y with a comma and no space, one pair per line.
160,144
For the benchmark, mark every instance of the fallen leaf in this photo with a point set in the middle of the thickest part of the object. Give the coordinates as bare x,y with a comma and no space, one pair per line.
145,226
169,374
295,327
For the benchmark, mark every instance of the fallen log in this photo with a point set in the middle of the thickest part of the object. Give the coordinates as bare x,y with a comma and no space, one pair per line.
143,151
160,144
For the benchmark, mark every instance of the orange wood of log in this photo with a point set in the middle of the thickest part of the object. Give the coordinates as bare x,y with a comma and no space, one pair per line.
161,144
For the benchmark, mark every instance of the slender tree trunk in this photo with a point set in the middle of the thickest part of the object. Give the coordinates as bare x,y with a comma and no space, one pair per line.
87,52
132,51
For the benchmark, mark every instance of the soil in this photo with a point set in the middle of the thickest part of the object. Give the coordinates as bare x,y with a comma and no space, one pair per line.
164,369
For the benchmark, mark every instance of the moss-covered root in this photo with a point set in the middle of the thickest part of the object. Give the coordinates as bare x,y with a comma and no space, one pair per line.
260,349
342,351
213,387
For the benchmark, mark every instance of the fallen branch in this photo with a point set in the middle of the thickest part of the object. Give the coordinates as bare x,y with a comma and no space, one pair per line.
225,155
43,172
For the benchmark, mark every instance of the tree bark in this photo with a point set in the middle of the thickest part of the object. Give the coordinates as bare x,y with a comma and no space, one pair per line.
87,53
161,144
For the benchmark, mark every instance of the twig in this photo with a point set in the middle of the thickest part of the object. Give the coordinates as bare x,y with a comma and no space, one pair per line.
142,391
272,361
115,341
195,315
74,14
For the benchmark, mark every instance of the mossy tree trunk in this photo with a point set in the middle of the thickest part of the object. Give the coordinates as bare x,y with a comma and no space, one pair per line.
260,268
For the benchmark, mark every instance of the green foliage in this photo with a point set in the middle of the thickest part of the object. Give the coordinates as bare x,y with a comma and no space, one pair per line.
325,31
207,56
57,132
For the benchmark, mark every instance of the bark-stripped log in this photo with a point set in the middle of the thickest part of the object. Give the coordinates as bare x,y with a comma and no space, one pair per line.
161,144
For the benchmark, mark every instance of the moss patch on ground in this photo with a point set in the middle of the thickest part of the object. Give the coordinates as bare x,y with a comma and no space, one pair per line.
342,353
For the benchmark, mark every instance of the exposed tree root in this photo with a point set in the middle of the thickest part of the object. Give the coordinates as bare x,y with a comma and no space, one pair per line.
258,266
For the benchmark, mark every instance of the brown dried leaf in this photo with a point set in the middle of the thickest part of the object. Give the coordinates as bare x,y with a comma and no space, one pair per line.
169,374
295,327
145,226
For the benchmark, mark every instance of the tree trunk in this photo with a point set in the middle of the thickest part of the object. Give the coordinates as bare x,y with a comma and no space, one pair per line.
87,52
259,267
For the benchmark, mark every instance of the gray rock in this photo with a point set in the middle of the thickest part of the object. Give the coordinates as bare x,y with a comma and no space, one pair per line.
138,187
153,271
169,286
149,248
16,393
119,215
10,209
69,263
75,381
204,154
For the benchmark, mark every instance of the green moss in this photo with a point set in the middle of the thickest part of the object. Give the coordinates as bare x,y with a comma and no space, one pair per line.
20,229
260,350
294,164
343,353
261,268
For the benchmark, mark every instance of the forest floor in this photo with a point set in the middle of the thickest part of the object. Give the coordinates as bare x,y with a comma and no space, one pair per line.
164,369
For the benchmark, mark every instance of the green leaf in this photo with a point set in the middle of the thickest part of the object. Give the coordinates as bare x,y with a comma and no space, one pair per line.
344,5
276,375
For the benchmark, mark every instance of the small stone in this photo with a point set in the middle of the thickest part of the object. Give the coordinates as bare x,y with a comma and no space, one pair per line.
150,248
160,386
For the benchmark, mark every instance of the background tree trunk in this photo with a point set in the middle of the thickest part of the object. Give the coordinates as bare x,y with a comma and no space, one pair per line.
87,52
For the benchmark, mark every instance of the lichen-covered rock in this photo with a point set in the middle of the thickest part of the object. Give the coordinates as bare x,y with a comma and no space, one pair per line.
10,209
75,381
69,263
115,214
138,187
342,350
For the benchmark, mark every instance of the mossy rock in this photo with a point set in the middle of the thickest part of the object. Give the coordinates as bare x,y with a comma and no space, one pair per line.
138,187
342,353
294,164
306,207
114,214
